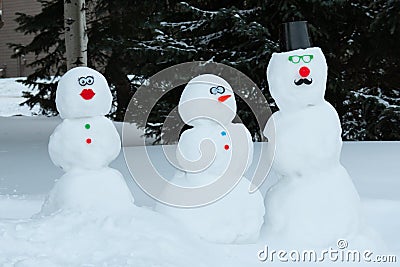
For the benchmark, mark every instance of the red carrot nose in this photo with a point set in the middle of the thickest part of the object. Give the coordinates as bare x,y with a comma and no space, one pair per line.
223,98
304,71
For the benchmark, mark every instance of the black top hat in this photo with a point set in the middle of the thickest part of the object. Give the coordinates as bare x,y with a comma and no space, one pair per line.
294,35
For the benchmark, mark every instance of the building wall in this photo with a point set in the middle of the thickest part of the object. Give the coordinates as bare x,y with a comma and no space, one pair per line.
9,35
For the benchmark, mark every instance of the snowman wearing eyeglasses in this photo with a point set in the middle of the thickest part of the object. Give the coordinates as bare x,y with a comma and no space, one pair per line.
83,146
208,105
314,202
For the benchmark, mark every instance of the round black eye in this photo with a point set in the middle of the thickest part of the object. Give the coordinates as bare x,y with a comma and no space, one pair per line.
82,81
220,90
214,90
89,80
217,90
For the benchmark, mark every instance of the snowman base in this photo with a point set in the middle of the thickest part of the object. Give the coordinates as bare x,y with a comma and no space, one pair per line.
316,210
236,218
102,191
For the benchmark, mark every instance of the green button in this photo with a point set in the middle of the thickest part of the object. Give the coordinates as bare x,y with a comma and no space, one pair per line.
87,126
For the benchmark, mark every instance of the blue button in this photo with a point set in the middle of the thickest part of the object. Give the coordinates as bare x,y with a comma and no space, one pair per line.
223,133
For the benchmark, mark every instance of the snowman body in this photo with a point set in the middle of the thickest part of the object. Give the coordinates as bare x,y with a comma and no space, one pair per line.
89,143
83,145
220,136
208,104
314,203
306,140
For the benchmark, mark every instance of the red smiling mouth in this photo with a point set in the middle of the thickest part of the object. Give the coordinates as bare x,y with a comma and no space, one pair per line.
87,94
223,98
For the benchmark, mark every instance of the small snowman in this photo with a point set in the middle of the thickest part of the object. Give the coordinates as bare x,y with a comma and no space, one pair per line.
208,105
314,203
83,145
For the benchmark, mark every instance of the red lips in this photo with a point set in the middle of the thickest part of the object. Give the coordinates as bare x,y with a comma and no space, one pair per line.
223,98
87,94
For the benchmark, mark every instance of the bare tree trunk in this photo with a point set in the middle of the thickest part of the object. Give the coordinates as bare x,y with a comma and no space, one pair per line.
1,14
75,33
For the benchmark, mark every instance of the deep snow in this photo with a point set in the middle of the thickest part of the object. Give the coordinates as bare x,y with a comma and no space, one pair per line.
145,238
11,97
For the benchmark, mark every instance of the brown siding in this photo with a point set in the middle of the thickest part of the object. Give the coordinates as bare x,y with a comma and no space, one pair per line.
9,35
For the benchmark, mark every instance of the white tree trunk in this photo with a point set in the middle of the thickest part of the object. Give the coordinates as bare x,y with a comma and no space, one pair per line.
75,33
1,14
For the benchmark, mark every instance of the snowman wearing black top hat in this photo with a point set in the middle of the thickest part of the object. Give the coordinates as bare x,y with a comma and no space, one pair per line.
314,202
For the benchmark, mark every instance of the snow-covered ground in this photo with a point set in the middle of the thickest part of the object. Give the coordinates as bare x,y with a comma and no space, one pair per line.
27,174
143,237
11,97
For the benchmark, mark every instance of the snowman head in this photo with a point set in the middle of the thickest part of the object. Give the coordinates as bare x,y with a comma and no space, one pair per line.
83,92
297,78
207,97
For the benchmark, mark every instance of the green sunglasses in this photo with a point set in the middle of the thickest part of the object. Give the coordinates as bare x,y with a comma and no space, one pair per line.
296,59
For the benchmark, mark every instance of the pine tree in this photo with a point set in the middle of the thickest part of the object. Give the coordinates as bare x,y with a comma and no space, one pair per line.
49,48
227,35
144,37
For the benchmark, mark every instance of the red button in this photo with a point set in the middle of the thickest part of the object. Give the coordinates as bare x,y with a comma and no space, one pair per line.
304,71
226,147
88,141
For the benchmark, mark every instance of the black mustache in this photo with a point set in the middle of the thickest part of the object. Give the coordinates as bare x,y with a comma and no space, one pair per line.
301,81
